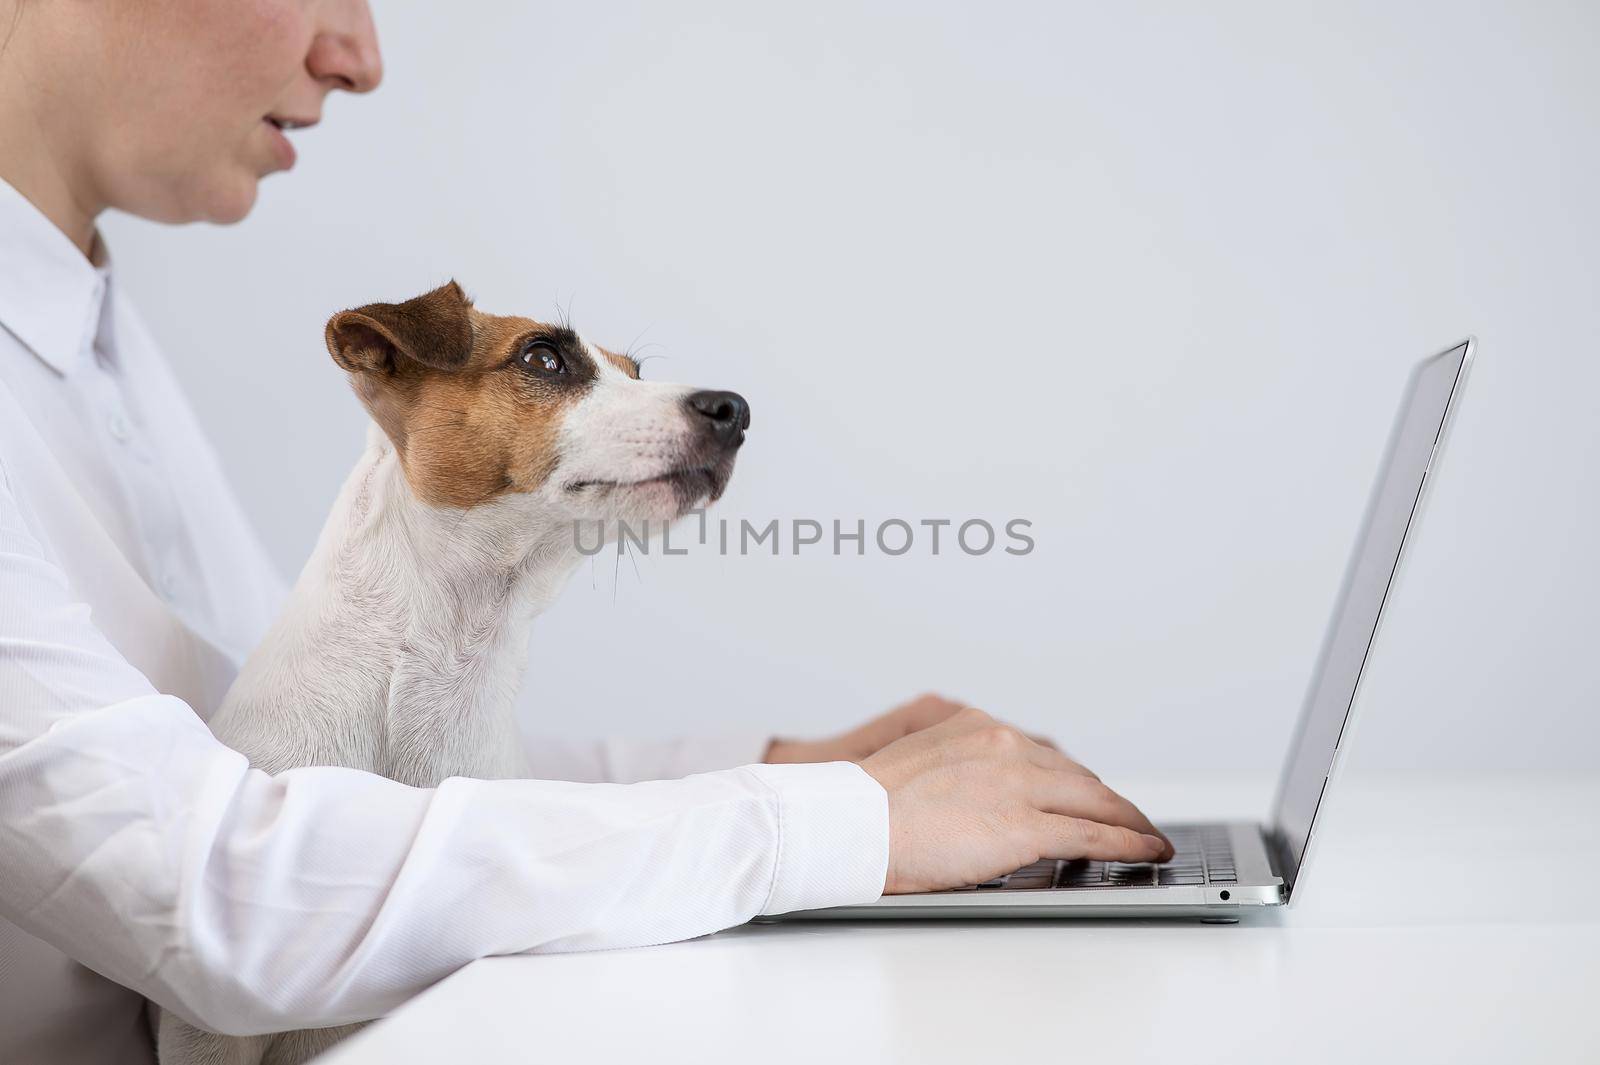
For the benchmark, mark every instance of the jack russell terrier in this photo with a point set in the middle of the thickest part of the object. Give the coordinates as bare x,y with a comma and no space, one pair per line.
406,636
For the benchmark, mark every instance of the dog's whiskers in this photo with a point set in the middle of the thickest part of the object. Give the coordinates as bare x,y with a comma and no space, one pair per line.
564,313
634,345
616,573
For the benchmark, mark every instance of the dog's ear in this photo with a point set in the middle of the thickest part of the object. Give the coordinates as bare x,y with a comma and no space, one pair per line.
433,329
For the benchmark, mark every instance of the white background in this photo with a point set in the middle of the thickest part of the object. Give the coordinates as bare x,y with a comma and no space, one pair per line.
1148,276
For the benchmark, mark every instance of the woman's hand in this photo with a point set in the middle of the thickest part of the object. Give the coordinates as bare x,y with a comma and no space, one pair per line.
924,711
970,799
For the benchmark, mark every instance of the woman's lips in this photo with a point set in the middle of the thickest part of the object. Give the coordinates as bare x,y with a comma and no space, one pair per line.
282,150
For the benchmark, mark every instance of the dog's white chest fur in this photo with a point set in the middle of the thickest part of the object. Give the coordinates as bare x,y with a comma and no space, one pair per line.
402,646
399,653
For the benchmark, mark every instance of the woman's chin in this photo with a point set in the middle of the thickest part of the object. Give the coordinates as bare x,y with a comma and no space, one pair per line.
220,198
232,201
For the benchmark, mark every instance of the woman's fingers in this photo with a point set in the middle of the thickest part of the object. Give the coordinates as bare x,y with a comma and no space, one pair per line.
1049,758
1073,837
1086,798
926,710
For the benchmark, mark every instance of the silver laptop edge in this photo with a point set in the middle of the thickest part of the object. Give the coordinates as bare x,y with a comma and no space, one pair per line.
1428,410
1268,859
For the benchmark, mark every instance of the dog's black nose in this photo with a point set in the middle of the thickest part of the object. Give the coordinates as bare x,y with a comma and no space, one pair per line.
724,414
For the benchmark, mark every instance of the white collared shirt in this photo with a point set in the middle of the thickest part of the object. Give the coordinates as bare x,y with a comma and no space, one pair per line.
135,845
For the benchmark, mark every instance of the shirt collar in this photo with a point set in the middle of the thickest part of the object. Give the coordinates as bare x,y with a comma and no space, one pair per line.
50,295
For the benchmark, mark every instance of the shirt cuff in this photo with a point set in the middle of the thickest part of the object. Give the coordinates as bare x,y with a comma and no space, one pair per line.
833,836
708,754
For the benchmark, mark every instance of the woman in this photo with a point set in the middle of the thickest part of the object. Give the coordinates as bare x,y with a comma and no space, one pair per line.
138,856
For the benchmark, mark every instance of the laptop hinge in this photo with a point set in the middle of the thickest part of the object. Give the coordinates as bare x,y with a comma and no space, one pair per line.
1282,858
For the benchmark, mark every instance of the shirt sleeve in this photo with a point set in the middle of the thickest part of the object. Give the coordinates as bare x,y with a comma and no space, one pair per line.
627,761
135,842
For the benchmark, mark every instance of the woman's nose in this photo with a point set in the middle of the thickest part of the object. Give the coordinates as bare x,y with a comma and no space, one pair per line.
344,54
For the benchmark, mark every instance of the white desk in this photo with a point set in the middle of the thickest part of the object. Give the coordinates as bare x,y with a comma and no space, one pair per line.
1498,961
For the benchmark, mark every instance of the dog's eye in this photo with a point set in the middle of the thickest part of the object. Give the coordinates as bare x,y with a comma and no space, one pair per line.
541,356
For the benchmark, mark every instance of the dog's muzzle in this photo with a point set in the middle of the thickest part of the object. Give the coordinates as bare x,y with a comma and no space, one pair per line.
720,417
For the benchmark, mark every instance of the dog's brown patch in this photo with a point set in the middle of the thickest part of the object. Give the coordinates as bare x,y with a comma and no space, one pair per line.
443,380
625,363
434,329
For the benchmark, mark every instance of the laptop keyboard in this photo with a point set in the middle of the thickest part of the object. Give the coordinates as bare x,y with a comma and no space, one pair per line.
1203,856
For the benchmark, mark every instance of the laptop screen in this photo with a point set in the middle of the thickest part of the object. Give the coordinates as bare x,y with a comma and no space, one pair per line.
1418,428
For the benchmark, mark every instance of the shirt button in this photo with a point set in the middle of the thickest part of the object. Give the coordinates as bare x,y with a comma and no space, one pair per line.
169,585
120,430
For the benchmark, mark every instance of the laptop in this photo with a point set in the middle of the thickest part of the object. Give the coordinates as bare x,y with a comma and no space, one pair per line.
1223,870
